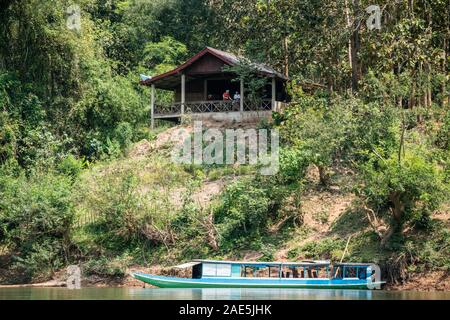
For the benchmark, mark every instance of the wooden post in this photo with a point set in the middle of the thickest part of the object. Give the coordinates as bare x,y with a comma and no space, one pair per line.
152,106
241,107
183,92
205,89
274,92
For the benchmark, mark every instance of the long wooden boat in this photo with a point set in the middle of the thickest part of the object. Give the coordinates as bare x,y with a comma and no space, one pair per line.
305,274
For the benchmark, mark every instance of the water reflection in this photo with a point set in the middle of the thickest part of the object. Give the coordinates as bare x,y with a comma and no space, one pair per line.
283,294
212,294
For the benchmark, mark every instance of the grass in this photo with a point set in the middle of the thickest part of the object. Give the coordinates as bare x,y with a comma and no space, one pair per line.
353,220
322,217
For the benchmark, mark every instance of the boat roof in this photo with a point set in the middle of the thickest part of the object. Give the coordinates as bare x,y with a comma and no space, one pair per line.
276,263
352,264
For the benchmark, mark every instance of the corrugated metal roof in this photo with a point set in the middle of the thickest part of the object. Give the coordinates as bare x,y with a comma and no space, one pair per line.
227,57
233,59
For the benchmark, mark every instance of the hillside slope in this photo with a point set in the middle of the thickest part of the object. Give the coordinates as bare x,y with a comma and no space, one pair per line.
325,220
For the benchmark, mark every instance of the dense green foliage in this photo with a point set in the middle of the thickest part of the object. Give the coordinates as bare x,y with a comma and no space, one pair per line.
414,186
71,108
35,222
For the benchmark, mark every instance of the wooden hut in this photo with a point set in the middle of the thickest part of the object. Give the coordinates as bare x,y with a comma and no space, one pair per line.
198,86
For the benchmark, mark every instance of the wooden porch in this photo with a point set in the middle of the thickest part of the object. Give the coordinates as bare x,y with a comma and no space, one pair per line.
176,109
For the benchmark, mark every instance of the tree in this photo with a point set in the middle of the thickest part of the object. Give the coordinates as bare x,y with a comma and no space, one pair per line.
411,188
318,129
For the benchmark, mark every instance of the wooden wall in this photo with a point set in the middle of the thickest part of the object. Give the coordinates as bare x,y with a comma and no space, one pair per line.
206,64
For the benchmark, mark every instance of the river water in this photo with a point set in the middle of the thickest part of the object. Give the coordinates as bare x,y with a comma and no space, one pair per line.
212,294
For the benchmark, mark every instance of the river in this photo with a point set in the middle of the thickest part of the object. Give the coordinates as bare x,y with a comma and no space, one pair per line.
212,294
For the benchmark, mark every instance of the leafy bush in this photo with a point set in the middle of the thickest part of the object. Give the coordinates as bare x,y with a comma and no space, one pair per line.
107,266
40,148
42,259
443,136
293,164
321,132
331,249
8,138
36,215
413,188
373,127
243,210
123,134
111,149
70,166
432,250
120,207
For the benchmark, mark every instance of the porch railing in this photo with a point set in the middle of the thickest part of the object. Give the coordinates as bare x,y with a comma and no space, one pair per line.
210,106
263,105
168,109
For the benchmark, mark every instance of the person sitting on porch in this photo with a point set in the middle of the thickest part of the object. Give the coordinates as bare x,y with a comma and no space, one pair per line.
210,97
236,101
237,97
226,95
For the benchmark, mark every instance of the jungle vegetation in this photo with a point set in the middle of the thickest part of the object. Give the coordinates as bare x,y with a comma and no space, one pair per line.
71,108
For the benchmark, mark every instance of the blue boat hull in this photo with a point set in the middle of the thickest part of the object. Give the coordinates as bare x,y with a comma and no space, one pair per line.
172,282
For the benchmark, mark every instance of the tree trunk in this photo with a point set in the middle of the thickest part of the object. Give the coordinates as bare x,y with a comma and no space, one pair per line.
323,175
430,96
429,92
444,93
412,97
355,46
398,206
400,102
286,55
387,235
349,26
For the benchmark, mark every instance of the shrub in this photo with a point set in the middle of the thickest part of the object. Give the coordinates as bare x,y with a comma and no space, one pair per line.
243,210
413,188
323,132
70,166
293,164
325,249
111,149
36,215
106,266
373,127
123,134
8,138
40,148
443,136
120,207
42,259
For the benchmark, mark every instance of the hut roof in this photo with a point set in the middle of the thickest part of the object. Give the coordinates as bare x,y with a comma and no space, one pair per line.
171,78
